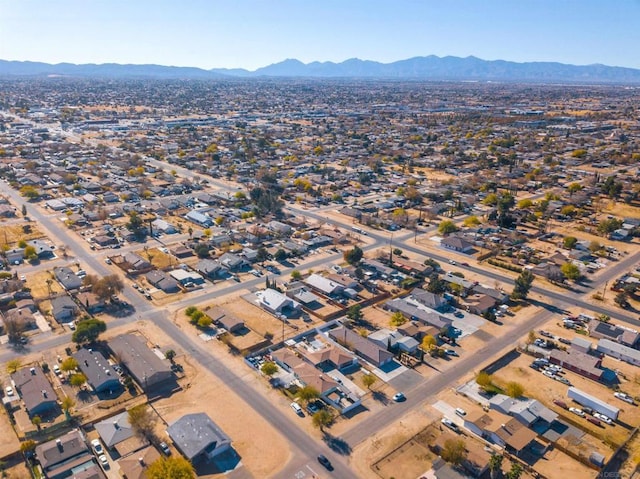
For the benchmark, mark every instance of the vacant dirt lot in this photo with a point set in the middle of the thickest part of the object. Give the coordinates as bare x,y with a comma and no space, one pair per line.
13,233
203,392
37,282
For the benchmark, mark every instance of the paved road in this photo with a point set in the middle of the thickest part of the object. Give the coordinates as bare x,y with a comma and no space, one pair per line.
304,447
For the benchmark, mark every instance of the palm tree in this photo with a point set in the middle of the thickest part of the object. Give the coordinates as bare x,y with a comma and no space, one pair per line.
495,464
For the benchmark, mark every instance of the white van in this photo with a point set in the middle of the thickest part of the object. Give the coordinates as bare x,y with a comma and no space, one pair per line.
296,407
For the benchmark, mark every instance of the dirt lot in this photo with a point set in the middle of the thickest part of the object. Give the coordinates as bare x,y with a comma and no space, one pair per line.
13,233
9,443
37,282
546,390
203,392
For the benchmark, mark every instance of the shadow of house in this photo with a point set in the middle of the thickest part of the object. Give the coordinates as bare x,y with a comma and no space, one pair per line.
35,390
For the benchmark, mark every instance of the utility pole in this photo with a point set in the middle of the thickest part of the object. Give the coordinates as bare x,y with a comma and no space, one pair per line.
604,289
391,249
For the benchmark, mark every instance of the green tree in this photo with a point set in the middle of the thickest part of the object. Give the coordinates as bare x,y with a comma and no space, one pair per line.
174,467
525,204
308,393
436,285
471,221
495,464
77,380
280,255
30,192
37,421
369,380
522,285
569,242
397,319
296,275
570,271
269,368
13,365
354,313
67,404
69,364
88,331
30,252
28,446
204,322
190,310
454,451
446,227
490,200
608,226
428,343
514,389
142,420
622,299
574,188
353,256
484,380
170,355
323,418
515,472
595,246
108,286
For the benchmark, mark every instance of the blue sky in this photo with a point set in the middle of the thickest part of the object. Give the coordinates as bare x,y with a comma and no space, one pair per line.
255,33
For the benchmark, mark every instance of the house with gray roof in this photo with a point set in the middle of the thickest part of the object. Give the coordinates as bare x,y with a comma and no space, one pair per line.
60,457
115,429
67,278
198,438
368,350
162,281
619,351
63,308
100,375
144,366
323,285
35,390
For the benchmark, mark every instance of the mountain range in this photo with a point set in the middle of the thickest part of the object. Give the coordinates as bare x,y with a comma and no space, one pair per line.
417,68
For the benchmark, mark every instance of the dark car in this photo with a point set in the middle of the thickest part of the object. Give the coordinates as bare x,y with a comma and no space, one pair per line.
325,462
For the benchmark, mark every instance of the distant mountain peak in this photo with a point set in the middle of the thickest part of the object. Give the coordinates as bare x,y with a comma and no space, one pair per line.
429,67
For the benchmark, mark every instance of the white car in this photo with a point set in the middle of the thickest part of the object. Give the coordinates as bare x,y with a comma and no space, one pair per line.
104,462
8,390
549,374
450,424
624,397
603,418
107,260
576,411
97,447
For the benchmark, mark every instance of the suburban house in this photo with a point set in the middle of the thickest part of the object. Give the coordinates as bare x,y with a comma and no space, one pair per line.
135,465
328,356
299,292
43,249
162,226
100,375
457,243
232,262
186,278
500,429
197,437
162,281
324,285
368,350
67,278
330,390
136,263
201,219
91,302
209,268
602,330
145,367
63,308
619,351
35,390
417,312
479,303
115,429
276,302
527,411
60,457
581,363
430,300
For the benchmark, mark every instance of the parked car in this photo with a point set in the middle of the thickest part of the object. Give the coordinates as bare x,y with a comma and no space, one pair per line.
450,352
458,314
164,447
549,374
104,462
296,407
562,380
603,418
576,411
546,334
624,397
560,403
595,421
450,424
461,412
8,391
97,447
564,340
107,260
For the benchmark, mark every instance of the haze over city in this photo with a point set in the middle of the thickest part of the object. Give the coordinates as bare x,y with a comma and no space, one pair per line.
253,33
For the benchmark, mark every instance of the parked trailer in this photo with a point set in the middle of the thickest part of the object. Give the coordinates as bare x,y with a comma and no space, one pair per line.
594,403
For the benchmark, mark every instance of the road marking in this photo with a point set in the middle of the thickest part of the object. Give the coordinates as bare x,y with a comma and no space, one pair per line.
312,471
300,474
